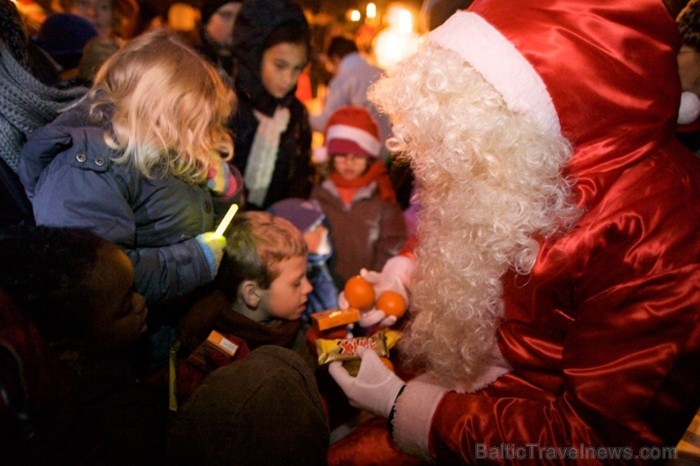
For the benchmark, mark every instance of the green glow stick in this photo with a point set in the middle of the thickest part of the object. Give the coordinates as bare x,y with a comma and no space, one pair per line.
226,220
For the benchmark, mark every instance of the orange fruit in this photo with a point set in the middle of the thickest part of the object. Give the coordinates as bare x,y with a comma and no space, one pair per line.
387,362
359,292
392,303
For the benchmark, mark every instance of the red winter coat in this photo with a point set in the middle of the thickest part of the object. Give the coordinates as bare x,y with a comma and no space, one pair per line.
603,336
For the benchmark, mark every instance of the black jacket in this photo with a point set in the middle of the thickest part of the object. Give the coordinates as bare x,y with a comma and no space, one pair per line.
293,172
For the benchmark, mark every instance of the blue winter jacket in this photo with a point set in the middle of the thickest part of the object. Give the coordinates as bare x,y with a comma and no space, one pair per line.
69,176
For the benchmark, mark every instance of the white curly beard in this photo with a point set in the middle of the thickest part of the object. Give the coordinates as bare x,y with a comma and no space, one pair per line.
489,183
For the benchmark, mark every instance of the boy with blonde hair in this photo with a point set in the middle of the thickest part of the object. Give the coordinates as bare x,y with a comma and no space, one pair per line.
264,272
261,289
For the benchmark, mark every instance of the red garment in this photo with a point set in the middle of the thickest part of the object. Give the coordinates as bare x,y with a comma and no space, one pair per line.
603,335
601,286
347,194
376,172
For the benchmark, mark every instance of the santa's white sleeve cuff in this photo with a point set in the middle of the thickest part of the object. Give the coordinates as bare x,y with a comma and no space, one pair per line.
414,415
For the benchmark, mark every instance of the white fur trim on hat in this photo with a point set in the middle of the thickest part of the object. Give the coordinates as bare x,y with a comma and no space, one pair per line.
497,59
362,138
689,109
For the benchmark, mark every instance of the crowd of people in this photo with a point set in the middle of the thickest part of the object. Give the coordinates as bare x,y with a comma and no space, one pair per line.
168,235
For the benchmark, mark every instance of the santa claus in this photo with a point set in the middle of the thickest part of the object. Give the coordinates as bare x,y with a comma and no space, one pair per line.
556,292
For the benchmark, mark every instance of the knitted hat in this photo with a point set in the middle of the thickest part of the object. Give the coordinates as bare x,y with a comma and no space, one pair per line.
304,214
574,67
63,36
352,130
209,7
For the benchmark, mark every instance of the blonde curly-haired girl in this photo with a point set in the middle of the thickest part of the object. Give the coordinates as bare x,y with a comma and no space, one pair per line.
141,162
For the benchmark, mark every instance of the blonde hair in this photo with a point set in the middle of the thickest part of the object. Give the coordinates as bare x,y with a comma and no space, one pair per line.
167,106
256,242
490,185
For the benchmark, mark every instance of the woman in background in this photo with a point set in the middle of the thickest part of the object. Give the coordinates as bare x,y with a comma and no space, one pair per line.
271,44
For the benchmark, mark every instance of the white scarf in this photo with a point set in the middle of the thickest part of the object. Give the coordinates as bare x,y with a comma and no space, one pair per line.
263,153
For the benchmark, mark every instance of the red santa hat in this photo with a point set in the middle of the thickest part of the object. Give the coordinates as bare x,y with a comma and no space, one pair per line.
603,75
352,130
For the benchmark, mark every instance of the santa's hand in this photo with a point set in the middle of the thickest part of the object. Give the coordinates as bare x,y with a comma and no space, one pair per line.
374,389
342,302
383,281
376,317
380,282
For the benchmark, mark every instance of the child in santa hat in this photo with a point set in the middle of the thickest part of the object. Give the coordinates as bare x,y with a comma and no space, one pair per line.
366,222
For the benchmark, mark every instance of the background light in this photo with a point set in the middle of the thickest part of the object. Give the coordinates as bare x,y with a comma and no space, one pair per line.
398,39
371,11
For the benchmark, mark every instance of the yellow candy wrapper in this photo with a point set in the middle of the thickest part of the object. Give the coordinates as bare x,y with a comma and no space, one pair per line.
346,349
392,337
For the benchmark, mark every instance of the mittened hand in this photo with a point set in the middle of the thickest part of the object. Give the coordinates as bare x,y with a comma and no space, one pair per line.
213,248
220,179
374,389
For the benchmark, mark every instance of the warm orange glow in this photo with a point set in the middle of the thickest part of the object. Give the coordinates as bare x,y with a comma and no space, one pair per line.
398,39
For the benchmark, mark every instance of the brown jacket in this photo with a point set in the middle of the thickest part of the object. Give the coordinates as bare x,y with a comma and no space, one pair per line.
365,233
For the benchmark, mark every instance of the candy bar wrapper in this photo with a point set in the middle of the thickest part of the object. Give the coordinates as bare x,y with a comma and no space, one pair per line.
346,349
332,318
392,337
214,352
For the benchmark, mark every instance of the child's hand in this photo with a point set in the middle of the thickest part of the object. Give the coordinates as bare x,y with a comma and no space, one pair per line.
213,248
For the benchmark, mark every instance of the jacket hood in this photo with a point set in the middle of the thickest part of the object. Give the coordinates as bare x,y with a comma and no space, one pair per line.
71,129
256,20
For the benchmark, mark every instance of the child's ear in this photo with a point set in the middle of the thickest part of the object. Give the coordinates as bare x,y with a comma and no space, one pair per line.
250,292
